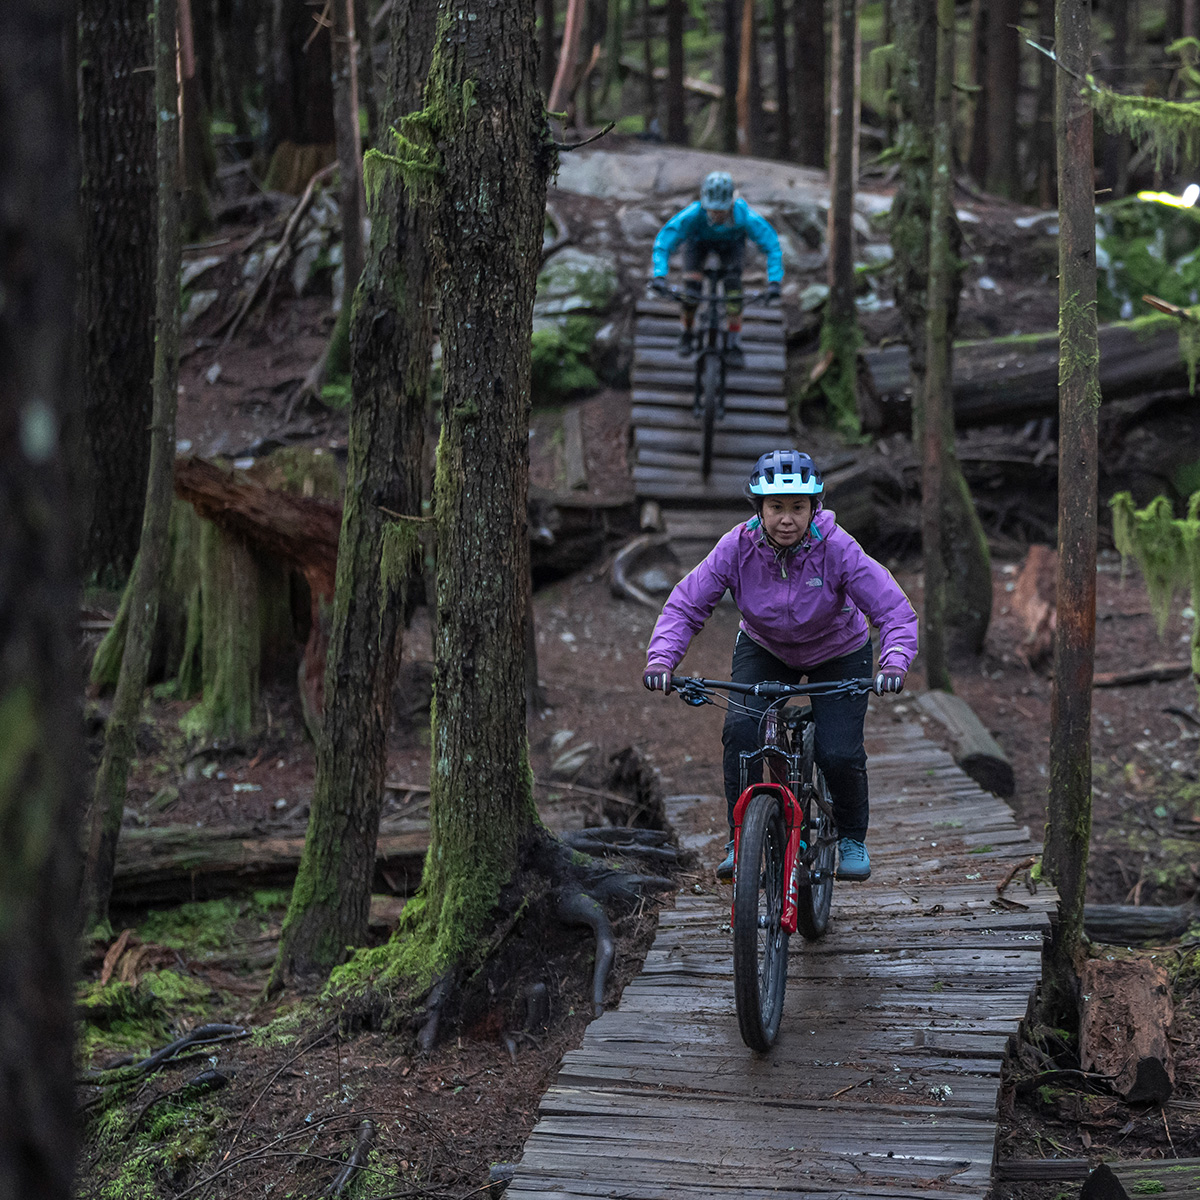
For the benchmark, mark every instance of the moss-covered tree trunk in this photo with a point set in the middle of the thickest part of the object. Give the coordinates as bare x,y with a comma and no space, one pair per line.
840,336
116,134
1070,801
120,735
486,116
41,775
964,544
938,394
391,343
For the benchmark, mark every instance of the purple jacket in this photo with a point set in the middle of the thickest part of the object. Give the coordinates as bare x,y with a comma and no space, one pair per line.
806,604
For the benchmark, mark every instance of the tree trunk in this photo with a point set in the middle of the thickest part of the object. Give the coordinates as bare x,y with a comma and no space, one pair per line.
1116,145
650,98
731,13
977,157
964,545
745,132
1069,810
116,96
1190,19
349,143
839,332
378,556
481,802
199,163
367,87
546,45
563,87
673,95
937,341
299,84
1043,133
120,735
41,752
783,83
809,33
1003,87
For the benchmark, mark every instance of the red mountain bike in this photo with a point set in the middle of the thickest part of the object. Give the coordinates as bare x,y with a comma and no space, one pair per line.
785,842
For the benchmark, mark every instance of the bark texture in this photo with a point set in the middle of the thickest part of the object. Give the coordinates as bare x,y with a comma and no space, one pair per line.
937,396
731,24
783,83
1070,802
964,545
378,554
349,142
487,235
40,734
116,127
809,33
673,96
1003,85
120,735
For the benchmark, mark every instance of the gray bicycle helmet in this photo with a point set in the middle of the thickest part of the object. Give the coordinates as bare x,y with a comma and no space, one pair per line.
785,473
716,194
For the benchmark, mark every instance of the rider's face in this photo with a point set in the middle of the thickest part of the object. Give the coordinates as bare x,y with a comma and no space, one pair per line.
785,518
719,216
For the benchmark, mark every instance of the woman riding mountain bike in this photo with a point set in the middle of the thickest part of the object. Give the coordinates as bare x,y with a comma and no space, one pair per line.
718,224
806,590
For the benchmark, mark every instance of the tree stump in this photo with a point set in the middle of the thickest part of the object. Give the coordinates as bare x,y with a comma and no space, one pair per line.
1125,1019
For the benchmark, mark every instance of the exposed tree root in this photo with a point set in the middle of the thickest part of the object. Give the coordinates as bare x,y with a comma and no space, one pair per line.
358,1157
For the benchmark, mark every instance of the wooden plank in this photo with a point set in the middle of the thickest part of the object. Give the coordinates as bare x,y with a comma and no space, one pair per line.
685,398
574,463
770,314
726,443
655,417
682,377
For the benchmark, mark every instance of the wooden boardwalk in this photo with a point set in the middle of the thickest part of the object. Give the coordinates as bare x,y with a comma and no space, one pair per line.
667,437
883,1082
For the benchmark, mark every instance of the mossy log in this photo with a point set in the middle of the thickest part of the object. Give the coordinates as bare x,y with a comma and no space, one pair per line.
1013,379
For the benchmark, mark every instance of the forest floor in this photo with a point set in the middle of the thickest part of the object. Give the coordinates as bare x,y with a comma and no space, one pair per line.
291,1096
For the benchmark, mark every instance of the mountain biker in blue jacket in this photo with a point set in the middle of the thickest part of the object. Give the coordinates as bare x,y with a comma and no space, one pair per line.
716,223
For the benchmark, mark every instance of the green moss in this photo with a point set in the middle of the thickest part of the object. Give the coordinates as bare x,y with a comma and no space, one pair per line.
26,815
1147,1187
560,358
839,383
200,925
1154,539
400,553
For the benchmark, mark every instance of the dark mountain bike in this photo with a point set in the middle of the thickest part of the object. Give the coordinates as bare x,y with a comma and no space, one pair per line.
785,842
708,403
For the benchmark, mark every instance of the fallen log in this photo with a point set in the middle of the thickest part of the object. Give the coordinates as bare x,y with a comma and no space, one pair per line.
1125,1019
975,750
1126,924
1007,380
1155,673
1166,1179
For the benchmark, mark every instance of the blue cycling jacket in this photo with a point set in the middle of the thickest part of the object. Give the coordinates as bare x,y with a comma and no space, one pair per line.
693,223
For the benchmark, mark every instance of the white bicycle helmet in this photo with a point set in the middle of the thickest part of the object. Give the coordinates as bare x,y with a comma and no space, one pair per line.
785,473
716,194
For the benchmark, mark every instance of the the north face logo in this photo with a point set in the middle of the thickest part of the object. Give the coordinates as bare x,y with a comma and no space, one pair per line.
815,581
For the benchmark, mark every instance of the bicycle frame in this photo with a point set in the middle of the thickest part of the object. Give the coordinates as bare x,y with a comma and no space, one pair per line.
782,760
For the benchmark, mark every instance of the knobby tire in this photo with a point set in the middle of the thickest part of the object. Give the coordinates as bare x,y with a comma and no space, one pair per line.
760,945
708,416
813,901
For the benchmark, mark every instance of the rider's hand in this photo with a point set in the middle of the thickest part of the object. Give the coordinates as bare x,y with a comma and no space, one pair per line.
657,678
659,284
889,679
773,292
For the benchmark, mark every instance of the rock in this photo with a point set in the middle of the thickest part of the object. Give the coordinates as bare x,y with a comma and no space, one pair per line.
198,304
637,224
814,296
576,281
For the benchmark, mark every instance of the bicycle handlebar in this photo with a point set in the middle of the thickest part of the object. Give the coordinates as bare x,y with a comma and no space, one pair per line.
845,687
676,293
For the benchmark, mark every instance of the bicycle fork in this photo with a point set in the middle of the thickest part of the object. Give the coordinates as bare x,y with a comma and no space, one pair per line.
794,870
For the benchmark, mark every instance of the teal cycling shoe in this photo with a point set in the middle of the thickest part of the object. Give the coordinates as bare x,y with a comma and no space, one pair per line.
725,866
854,863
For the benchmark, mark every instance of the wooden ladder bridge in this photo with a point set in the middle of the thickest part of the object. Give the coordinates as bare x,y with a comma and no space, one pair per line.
884,1080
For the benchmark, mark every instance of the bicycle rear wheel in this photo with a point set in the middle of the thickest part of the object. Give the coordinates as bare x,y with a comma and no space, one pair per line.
760,944
708,415
813,901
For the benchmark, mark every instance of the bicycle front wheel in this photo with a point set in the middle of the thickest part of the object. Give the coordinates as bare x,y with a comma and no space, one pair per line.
708,415
760,944
813,901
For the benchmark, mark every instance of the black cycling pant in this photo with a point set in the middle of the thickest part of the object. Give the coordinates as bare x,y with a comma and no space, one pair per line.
732,254
838,721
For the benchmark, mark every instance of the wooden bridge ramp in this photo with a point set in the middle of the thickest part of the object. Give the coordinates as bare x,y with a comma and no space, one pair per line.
883,1081
667,436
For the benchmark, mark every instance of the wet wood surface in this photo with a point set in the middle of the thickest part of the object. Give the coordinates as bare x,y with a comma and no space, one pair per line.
666,433
883,1081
